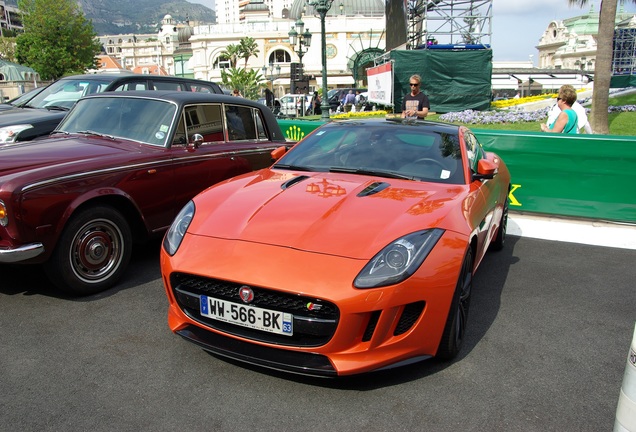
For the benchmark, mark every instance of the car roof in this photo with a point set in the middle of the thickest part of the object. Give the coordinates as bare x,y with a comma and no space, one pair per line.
178,97
109,77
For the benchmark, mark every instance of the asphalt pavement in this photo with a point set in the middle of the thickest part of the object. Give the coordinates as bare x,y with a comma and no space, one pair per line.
550,327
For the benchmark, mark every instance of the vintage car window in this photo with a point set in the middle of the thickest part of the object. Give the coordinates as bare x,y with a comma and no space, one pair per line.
144,120
240,123
180,137
132,86
204,119
168,85
64,93
202,88
260,125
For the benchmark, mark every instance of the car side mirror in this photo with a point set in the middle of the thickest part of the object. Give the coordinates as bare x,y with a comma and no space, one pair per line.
278,152
195,142
485,170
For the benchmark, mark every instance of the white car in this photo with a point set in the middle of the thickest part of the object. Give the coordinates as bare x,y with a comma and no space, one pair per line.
292,104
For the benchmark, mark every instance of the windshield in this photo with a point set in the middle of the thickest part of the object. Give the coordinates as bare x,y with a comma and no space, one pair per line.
381,149
145,120
64,93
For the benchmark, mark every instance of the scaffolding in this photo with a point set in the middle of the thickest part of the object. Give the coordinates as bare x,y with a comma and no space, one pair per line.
449,22
624,52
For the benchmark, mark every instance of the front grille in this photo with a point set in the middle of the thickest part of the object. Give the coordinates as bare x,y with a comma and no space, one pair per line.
410,314
311,327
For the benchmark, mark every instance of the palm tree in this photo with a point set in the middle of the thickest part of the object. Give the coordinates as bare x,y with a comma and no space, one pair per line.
603,69
248,48
232,52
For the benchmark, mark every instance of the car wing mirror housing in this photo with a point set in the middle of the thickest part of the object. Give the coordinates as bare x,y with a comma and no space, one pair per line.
195,142
278,152
485,170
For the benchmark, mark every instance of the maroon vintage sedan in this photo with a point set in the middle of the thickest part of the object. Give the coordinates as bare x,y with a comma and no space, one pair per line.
115,172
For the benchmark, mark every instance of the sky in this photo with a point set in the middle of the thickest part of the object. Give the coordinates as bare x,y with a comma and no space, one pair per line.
517,25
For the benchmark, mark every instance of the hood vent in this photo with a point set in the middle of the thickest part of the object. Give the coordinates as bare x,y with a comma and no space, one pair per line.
292,182
374,188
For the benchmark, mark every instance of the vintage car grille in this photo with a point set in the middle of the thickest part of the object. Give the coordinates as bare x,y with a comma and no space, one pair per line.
311,327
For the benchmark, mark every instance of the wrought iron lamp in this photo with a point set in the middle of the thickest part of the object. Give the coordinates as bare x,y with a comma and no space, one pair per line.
322,7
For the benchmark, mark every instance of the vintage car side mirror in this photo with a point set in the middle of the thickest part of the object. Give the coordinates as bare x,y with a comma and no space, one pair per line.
485,170
278,153
195,142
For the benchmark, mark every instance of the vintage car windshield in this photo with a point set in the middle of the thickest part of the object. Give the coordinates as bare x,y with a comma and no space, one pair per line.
393,151
64,93
139,119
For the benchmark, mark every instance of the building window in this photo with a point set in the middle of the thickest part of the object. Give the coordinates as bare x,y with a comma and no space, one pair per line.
221,62
279,56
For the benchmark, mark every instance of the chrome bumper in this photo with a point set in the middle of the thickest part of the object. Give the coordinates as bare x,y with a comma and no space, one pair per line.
21,253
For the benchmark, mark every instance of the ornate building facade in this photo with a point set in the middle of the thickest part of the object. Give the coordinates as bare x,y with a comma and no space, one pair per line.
571,43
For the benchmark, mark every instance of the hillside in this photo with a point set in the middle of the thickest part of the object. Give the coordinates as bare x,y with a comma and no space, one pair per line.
138,16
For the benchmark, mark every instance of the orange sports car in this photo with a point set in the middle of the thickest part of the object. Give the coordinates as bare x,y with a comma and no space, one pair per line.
354,252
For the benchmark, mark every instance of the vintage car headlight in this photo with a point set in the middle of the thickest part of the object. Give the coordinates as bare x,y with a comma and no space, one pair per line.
175,234
10,133
399,260
4,215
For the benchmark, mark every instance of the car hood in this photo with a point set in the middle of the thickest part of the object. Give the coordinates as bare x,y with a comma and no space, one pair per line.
60,155
16,116
337,214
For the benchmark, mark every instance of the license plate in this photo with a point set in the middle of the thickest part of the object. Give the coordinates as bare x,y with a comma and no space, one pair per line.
247,316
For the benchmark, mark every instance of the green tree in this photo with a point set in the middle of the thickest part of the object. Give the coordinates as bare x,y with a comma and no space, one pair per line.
248,48
57,38
603,68
232,53
248,82
7,49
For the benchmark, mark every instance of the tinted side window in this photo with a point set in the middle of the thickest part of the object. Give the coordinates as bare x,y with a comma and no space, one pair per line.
240,123
260,125
473,150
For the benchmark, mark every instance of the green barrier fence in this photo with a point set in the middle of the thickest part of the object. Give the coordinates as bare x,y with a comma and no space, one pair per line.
586,176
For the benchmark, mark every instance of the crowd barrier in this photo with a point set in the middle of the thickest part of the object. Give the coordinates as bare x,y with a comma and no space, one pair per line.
582,176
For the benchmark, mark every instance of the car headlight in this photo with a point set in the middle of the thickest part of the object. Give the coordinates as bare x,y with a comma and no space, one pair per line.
10,133
398,260
175,234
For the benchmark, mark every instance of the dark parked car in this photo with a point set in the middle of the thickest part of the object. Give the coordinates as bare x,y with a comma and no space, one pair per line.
41,114
21,100
117,170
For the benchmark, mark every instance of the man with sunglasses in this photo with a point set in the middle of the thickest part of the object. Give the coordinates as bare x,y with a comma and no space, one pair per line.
415,103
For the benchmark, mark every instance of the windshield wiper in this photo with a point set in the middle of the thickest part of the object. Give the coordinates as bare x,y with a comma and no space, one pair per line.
90,132
56,108
58,131
379,173
295,167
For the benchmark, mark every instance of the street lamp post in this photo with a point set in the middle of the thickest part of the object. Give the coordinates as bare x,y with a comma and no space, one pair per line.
303,40
322,7
271,76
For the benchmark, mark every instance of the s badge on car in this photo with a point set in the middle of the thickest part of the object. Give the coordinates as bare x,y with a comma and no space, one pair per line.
246,294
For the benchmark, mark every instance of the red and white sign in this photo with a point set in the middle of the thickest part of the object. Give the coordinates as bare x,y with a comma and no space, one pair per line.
380,80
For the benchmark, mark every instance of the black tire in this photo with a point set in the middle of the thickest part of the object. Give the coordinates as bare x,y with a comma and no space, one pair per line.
92,253
500,240
455,329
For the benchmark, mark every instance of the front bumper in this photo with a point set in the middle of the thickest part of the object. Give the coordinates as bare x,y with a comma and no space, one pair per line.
375,328
304,363
22,253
